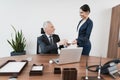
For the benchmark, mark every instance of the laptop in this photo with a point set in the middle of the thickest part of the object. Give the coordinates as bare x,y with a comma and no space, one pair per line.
69,55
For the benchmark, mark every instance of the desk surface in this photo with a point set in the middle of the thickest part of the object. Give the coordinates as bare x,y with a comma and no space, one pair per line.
49,68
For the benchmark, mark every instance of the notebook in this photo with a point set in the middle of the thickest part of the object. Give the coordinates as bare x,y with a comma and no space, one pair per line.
69,55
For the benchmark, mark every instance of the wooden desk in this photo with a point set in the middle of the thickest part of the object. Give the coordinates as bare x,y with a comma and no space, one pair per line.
48,68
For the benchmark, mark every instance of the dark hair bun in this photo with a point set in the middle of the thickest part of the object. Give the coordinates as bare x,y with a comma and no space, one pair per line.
85,8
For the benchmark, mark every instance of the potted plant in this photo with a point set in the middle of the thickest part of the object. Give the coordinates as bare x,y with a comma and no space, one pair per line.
18,43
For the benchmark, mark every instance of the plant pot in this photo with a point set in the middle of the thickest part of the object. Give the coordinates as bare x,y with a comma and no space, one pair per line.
13,53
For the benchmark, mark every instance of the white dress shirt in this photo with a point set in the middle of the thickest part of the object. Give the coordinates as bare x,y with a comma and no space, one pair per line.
79,26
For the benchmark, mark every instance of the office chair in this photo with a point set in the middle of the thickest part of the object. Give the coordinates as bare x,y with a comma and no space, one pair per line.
42,31
38,46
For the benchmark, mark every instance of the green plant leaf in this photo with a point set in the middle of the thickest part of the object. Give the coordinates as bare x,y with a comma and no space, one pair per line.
18,43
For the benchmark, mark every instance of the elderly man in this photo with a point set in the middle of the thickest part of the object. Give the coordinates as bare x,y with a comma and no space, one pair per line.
50,42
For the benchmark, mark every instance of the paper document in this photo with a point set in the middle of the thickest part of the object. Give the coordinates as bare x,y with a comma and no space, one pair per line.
12,67
37,68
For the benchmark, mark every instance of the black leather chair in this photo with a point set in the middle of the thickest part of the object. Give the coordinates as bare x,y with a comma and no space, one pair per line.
38,46
42,31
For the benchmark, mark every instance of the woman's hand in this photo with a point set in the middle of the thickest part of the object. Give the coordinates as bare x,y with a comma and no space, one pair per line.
74,42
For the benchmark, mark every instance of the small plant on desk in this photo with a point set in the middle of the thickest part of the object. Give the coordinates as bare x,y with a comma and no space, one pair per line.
18,43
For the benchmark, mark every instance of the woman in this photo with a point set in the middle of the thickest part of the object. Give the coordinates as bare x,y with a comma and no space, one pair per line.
84,29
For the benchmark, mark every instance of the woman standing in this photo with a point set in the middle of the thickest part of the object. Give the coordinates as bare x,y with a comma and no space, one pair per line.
84,29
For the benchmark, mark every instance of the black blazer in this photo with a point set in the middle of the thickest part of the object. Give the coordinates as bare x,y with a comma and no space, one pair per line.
45,45
84,32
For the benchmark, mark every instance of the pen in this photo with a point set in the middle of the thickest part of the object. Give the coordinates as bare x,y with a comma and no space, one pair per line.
99,71
86,77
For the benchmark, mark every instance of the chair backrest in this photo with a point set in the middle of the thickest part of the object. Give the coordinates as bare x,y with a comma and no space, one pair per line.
42,31
38,47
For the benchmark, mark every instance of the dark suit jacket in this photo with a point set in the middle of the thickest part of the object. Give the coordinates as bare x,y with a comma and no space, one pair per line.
84,32
45,45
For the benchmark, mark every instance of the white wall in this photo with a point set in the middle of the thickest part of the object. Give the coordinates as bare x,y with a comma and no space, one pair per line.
29,16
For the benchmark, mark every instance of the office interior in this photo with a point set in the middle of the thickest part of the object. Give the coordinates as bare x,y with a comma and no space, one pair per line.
29,15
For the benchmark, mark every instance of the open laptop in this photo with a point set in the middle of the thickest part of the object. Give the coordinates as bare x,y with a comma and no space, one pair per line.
69,55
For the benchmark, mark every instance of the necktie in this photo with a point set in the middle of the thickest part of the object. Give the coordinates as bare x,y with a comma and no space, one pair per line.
51,39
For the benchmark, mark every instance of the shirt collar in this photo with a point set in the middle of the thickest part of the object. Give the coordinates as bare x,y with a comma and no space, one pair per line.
48,35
